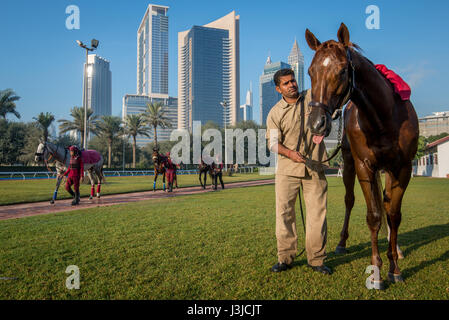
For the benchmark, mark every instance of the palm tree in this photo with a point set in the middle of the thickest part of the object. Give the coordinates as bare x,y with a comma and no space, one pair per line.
109,128
154,116
7,103
44,121
77,124
135,125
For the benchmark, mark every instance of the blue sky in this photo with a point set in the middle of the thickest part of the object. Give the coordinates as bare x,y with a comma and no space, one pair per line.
40,60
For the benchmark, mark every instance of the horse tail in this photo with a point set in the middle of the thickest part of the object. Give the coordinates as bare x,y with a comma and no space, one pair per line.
383,225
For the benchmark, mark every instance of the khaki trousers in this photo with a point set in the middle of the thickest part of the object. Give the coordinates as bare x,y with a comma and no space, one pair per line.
315,197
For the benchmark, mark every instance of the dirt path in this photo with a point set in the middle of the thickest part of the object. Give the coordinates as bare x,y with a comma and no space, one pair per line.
31,209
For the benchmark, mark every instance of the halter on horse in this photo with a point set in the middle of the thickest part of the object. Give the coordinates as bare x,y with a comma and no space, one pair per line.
381,133
47,151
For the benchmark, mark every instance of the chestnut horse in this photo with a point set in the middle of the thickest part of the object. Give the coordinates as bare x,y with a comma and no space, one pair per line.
159,167
381,133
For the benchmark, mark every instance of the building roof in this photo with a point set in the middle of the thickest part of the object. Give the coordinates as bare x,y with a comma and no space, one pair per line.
439,141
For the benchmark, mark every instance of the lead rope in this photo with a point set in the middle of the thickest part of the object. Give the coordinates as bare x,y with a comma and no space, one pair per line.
301,134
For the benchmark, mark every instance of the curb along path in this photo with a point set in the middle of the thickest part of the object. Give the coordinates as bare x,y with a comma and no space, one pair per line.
36,208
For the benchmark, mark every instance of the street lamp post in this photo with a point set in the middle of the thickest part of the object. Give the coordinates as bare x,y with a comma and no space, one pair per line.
94,44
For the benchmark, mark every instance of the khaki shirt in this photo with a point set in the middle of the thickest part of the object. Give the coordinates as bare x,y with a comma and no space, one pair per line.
286,120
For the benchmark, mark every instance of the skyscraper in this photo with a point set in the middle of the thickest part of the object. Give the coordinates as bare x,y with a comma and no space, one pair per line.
98,89
152,72
246,110
152,52
296,61
268,94
209,73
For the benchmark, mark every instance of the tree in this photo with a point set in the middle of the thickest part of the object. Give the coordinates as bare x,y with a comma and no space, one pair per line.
100,144
77,124
109,128
31,141
7,103
431,139
135,125
65,141
154,116
12,141
44,121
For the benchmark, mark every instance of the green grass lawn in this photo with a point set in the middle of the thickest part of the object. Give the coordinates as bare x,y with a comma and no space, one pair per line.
21,191
218,245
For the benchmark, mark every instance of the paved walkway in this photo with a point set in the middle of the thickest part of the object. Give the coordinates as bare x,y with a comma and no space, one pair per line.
31,209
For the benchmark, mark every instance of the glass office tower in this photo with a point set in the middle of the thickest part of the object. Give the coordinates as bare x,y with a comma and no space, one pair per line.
268,94
152,52
208,73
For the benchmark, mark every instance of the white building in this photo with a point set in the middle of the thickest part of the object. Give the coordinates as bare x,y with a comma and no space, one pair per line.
99,84
152,52
435,124
435,162
296,61
246,110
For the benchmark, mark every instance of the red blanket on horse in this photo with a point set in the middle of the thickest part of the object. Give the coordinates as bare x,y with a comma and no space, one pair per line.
90,156
400,86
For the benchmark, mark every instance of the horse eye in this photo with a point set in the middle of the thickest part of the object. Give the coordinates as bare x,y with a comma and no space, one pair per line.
343,73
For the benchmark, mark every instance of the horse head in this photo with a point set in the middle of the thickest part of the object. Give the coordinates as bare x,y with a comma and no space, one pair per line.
332,77
41,153
156,157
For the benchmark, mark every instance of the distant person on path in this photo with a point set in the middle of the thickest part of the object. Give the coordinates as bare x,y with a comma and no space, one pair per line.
75,172
288,118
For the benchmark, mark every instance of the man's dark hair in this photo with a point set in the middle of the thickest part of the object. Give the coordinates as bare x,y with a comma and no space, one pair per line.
281,73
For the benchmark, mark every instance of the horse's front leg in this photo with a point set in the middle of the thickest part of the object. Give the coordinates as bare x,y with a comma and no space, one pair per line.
155,179
394,193
201,180
348,180
369,181
58,183
163,180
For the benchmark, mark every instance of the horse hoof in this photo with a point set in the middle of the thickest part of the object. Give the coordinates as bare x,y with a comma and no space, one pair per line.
341,250
394,278
377,285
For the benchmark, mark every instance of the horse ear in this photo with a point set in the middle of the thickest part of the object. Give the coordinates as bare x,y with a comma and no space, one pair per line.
343,35
312,41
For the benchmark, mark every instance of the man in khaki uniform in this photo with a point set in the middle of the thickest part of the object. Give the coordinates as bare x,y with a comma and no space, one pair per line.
284,125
